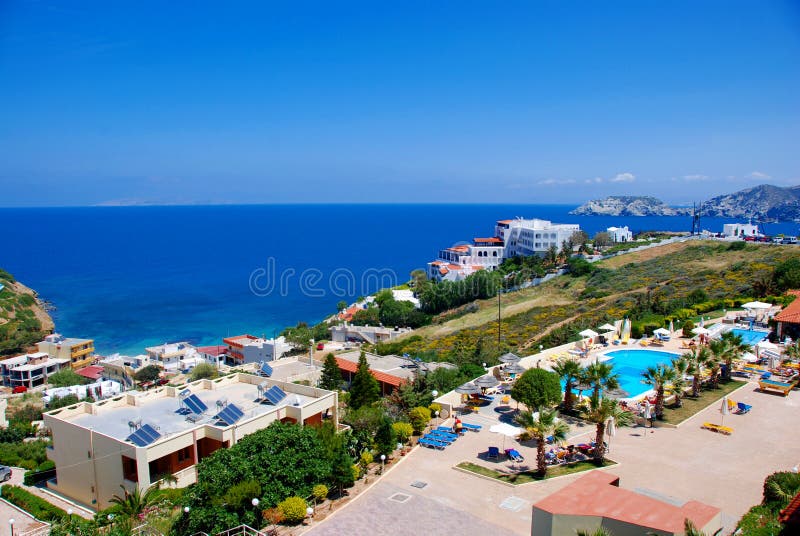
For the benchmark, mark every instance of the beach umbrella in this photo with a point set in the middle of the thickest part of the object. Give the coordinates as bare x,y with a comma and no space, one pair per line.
588,333
468,388
661,331
766,345
484,382
617,393
723,409
647,409
671,327
509,358
607,327
702,322
773,362
611,431
700,331
505,430
515,368
756,305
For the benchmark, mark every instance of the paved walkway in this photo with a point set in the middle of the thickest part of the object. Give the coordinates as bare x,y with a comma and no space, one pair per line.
680,463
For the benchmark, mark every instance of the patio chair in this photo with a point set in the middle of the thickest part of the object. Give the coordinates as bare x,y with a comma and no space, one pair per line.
514,455
493,453
743,408
473,427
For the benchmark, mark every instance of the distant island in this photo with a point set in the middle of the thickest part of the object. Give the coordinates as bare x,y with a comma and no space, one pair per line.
762,203
628,205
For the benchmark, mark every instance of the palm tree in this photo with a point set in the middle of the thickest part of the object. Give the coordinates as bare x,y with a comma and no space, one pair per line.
569,371
600,376
793,351
681,367
658,377
599,411
728,348
539,427
133,503
690,530
697,359
599,531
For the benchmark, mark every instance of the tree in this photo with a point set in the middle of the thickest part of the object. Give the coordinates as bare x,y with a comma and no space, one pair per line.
342,469
658,377
364,388
787,275
537,388
331,376
728,348
65,378
681,367
602,239
599,531
150,373
539,427
419,417
599,411
62,401
341,306
686,331
203,371
133,503
600,376
569,371
697,358
385,439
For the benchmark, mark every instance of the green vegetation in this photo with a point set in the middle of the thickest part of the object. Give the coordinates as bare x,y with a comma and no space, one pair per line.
691,406
62,401
293,509
331,376
150,373
762,519
537,388
29,455
525,477
65,378
203,371
36,506
364,388
19,326
539,427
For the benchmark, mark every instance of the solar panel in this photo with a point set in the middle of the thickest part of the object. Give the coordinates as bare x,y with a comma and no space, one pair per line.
230,414
266,369
144,436
195,404
274,395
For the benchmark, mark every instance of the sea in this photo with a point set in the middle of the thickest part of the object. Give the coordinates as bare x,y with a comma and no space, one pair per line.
132,277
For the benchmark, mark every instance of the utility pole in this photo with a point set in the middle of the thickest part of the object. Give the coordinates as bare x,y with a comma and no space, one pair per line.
498,318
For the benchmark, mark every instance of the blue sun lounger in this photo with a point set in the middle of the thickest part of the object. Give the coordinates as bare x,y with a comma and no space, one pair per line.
514,455
432,443
743,408
473,427
444,436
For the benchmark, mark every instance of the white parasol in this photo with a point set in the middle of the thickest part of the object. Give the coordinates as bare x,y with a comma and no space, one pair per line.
506,430
723,409
756,305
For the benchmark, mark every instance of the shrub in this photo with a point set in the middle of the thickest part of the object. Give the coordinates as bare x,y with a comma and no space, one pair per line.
356,471
778,486
202,371
293,509
240,494
36,506
434,408
320,491
403,431
688,326
419,417
365,459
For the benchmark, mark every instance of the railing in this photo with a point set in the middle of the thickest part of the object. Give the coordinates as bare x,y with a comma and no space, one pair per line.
145,530
241,530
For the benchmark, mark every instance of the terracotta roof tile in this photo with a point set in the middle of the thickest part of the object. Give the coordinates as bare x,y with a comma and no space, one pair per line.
93,372
349,366
791,514
791,313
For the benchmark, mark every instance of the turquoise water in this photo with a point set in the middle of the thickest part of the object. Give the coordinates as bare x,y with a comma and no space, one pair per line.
630,364
750,337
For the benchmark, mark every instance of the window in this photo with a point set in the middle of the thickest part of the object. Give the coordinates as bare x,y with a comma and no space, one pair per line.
129,471
184,454
494,254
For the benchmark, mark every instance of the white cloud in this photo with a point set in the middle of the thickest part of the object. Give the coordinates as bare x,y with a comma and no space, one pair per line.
596,180
551,182
758,175
623,177
695,177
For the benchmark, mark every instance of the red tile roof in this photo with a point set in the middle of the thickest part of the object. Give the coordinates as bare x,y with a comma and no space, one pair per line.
215,351
236,340
791,514
493,240
597,494
791,313
503,221
93,372
348,313
459,249
349,366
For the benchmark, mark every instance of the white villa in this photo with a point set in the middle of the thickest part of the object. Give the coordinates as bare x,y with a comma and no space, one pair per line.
620,234
731,230
512,238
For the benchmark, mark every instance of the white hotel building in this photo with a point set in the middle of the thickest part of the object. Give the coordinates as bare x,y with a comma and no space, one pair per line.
518,237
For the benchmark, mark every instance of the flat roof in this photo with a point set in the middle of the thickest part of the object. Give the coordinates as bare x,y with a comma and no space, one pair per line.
597,494
41,364
401,367
159,408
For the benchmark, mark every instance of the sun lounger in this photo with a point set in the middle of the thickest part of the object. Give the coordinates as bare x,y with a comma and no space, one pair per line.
743,408
432,443
493,453
731,405
725,430
473,427
783,387
514,455
442,436
446,429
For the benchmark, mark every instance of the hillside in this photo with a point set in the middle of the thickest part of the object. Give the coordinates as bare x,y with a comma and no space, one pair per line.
763,202
647,286
23,320
626,205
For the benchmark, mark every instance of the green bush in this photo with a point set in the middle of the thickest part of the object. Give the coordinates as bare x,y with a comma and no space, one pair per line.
779,486
293,509
44,471
320,492
36,506
203,371
419,417
241,494
403,431
688,326
33,452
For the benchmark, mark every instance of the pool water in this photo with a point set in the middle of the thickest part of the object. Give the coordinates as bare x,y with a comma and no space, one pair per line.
630,364
751,337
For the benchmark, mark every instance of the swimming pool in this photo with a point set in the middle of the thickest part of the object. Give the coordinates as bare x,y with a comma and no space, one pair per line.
630,364
751,337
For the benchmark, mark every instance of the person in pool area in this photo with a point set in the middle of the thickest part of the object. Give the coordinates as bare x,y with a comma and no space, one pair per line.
457,427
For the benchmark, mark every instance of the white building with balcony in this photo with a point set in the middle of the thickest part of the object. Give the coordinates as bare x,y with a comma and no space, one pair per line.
30,370
174,357
518,237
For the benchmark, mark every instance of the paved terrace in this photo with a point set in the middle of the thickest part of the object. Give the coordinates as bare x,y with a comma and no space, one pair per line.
676,464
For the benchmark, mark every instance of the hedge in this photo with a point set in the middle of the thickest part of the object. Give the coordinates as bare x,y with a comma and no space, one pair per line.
45,471
35,506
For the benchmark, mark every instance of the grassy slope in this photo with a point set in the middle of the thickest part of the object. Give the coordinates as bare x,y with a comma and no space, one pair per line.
23,321
671,271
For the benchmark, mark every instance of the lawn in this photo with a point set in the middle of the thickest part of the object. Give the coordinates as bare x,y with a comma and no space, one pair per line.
525,477
693,405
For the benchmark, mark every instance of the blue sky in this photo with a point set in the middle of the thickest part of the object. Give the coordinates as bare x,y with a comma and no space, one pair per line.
530,102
